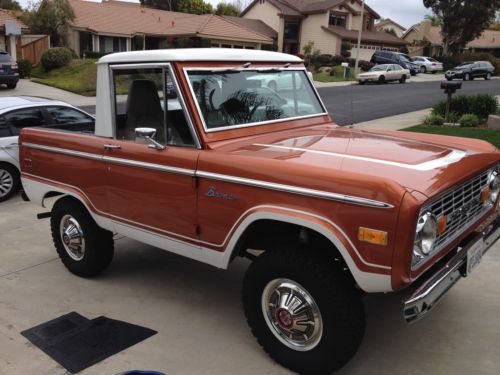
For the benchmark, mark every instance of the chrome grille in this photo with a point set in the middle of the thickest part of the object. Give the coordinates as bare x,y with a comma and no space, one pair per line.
463,207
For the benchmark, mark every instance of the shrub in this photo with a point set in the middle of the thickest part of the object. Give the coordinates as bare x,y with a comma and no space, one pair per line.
365,65
56,58
325,59
481,105
433,119
337,60
24,67
469,120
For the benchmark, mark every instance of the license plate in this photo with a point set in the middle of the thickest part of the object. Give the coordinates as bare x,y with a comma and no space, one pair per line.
474,255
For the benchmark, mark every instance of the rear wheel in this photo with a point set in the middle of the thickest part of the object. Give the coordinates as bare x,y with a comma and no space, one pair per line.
423,69
84,248
403,79
304,312
11,85
381,80
467,77
9,181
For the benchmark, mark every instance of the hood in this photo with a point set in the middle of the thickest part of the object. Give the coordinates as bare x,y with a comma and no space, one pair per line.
340,157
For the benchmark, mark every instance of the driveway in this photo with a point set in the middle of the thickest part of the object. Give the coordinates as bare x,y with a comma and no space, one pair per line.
26,87
197,312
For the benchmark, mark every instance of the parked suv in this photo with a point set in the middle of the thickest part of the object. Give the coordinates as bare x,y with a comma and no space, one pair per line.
387,57
9,74
470,70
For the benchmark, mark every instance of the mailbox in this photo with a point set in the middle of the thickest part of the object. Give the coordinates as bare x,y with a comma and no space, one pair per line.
451,87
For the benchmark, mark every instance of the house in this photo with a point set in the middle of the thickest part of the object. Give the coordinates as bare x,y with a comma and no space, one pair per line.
115,26
388,25
11,30
427,40
327,23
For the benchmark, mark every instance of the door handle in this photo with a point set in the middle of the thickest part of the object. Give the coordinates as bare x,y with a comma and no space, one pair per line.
112,147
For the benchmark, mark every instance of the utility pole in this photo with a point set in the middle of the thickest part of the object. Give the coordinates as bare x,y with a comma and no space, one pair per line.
359,36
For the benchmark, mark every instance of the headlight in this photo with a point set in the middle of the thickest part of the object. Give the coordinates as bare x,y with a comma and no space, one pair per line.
494,186
426,234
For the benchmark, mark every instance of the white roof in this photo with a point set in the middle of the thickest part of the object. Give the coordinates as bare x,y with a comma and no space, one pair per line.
29,101
198,54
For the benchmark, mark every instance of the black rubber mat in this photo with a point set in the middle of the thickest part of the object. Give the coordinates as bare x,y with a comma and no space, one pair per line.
76,342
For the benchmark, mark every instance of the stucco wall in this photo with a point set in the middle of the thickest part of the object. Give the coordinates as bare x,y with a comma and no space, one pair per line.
311,31
265,12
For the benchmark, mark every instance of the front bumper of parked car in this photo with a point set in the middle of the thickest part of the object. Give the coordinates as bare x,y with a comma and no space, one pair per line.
454,74
447,273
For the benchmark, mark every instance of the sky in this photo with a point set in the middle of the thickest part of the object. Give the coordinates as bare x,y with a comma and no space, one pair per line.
404,12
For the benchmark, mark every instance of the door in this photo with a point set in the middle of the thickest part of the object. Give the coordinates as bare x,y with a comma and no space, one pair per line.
151,186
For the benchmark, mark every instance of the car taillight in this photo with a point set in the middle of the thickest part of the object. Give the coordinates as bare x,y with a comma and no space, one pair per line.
434,64
13,66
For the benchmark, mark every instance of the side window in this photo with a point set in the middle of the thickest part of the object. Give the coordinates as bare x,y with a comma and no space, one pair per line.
148,98
67,118
4,129
23,118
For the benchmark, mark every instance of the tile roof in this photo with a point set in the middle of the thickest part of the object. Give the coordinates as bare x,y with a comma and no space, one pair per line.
6,15
389,21
128,19
255,25
366,36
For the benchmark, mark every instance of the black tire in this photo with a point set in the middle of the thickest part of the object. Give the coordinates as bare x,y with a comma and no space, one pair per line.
11,85
434,72
362,82
273,85
467,77
449,79
403,79
487,76
339,304
98,243
423,69
10,181
381,80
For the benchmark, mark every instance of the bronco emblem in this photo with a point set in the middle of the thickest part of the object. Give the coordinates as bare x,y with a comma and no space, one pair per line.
213,193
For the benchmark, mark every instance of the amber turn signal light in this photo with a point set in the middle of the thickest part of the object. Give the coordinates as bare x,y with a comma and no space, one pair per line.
373,236
441,224
485,194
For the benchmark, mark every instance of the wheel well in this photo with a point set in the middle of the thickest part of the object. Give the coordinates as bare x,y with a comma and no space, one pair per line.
53,197
7,164
265,234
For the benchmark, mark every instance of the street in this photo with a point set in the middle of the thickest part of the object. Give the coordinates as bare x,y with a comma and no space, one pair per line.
353,104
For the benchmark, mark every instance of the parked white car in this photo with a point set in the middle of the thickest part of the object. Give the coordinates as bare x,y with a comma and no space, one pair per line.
384,73
27,111
428,64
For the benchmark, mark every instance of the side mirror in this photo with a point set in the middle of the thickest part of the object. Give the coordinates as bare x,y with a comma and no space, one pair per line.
148,134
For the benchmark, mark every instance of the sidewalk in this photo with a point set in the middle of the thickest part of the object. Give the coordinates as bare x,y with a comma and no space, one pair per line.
396,122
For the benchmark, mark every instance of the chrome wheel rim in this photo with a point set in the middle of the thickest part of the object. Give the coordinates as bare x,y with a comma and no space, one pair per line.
292,315
72,237
6,182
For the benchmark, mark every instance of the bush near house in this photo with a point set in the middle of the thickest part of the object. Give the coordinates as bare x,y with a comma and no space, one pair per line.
469,120
56,58
434,119
481,105
24,67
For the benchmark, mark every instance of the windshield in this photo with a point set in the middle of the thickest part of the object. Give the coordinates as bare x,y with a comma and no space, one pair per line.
229,98
379,68
405,58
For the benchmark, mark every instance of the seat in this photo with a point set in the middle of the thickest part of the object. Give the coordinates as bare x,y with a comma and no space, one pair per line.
144,109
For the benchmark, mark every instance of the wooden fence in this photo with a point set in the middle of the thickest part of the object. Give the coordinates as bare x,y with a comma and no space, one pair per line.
33,51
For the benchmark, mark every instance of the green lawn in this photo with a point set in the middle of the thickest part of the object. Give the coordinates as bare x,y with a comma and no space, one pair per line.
338,77
490,135
78,77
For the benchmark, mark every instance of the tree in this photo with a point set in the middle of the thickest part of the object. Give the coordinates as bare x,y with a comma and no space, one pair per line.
170,5
50,17
435,20
463,20
194,7
227,9
10,5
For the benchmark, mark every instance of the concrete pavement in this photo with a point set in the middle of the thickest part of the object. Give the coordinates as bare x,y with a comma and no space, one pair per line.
197,312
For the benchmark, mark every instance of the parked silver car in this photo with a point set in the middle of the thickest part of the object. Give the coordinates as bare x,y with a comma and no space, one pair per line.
27,111
384,73
428,64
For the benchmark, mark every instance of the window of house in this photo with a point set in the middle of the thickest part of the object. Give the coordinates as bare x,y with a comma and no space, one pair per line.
292,30
108,44
337,19
148,98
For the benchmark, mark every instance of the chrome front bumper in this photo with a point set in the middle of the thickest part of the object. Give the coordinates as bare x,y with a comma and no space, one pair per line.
428,294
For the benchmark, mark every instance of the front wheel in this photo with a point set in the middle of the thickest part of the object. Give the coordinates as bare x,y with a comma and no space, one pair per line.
305,313
487,76
423,69
84,248
9,181
381,80
403,79
467,77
